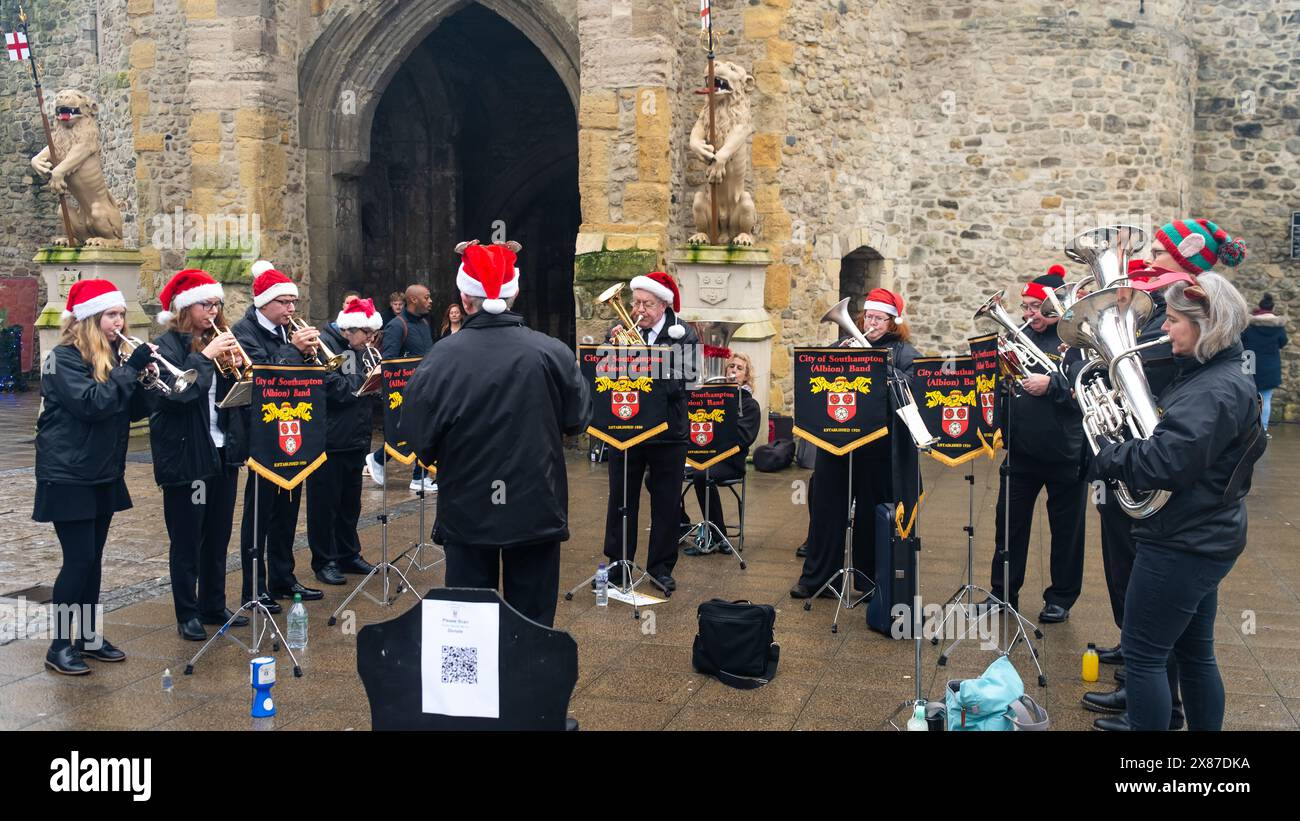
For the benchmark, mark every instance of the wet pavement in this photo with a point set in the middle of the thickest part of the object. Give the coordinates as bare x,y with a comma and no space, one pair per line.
637,675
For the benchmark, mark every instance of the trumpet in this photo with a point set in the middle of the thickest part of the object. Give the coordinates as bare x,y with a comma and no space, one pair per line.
235,366
151,377
627,334
332,361
1016,352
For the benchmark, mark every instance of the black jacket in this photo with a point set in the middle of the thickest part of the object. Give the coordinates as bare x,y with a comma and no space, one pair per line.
1045,433
406,335
1266,336
902,362
747,428
179,428
84,428
348,418
683,364
490,406
1208,418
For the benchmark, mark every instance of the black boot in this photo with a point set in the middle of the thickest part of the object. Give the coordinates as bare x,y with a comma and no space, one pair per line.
1114,702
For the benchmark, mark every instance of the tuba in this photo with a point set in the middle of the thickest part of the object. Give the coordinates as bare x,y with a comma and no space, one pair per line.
628,334
1016,352
151,377
906,405
1111,387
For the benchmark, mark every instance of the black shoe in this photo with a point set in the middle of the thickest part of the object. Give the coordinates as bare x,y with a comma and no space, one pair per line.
667,584
1053,614
242,621
1113,724
272,606
1110,655
66,660
357,566
307,593
800,592
105,652
695,550
801,552
1121,673
192,630
1113,702
330,574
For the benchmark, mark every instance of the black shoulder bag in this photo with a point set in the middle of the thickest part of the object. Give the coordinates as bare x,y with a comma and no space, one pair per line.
735,643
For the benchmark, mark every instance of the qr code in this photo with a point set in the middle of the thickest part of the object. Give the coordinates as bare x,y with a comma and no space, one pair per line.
459,665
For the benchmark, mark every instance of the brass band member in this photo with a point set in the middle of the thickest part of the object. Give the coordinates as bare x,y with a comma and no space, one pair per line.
740,371
334,489
656,299
91,398
265,337
1044,448
198,449
884,327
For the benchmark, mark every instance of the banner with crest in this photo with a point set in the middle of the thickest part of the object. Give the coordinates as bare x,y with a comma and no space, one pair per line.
984,355
629,397
712,412
841,397
396,373
947,398
286,439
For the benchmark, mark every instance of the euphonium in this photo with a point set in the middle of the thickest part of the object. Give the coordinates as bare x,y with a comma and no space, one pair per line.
1111,387
151,376
1017,353
627,334
323,356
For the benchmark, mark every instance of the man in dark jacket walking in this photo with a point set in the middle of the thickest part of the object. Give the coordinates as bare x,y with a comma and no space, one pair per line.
407,334
264,335
334,490
1044,448
656,300
489,406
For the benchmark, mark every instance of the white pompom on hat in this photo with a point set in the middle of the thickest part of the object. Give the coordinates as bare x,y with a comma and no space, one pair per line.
664,287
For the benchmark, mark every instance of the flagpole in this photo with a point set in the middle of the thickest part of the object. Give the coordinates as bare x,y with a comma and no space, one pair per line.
45,122
713,137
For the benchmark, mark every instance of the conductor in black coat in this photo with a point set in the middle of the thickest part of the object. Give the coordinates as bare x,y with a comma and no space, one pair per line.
490,406
655,301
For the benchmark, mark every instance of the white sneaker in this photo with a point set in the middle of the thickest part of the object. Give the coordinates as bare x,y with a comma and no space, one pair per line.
376,469
430,486
416,484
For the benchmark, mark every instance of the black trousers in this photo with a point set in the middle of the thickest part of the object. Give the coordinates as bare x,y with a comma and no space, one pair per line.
828,512
1067,504
199,520
718,473
333,508
529,575
277,519
77,584
667,465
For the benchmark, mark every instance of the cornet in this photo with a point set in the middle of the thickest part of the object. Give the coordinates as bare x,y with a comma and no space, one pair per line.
151,376
628,334
332,361
1016,352
235,366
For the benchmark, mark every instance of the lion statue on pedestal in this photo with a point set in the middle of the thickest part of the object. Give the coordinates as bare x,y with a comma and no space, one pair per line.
727,164
95,217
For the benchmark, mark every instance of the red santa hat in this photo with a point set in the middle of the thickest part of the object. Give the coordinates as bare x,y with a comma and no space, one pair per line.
1053,279
664,287
359,313
269,284
489,272
92,296
887,302
186,288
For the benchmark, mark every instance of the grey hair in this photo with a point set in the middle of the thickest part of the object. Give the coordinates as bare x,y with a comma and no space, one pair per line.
1221,317
476,302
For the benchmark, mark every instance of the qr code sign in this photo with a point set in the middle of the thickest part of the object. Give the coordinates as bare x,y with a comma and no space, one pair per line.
459,665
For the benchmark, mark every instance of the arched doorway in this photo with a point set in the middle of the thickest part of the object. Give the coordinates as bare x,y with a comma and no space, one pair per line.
860,271
467,131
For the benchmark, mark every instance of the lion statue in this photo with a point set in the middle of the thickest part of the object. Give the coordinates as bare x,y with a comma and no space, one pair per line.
728,164
96,218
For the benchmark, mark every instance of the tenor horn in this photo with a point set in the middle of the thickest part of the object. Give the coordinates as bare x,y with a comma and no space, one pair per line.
1017,353
627,334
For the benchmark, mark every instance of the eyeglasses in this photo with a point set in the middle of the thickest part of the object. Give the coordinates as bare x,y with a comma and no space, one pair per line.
1029,307
645,303
288,303
213,305
875,320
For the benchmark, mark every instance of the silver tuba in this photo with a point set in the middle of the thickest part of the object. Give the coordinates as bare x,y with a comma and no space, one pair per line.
1111,387
715,340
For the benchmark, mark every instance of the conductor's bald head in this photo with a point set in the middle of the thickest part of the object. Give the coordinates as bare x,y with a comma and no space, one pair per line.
418,300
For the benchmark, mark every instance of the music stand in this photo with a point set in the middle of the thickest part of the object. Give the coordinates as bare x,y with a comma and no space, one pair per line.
968,589
842,596
420,545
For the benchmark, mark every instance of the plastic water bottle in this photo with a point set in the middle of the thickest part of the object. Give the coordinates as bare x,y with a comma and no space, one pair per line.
917,721
1090,663
297,624
602,585
167,681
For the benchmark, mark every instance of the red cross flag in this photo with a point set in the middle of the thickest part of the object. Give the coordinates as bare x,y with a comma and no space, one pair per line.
704,14
16,45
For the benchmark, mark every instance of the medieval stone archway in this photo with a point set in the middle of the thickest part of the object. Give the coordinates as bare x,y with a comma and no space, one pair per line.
435,121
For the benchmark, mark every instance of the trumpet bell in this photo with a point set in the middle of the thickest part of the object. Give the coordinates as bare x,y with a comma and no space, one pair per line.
839,315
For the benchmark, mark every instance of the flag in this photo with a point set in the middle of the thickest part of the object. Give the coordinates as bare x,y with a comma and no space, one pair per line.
16,45
705,20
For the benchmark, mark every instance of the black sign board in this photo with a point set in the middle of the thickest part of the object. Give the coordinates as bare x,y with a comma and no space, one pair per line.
286,441
947,399
714,435
397,372
841,397
630,399
984,355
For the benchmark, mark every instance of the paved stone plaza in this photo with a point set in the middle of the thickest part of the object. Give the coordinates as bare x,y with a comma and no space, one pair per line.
637,675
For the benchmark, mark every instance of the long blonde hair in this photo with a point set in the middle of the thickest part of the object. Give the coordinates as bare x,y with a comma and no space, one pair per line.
91,343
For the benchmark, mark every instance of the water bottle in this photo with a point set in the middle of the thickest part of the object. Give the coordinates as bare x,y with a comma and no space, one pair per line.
1090,663
602,585
917,721
167,681
297,624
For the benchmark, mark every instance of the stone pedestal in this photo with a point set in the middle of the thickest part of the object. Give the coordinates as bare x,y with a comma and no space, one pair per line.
61,267
725,284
